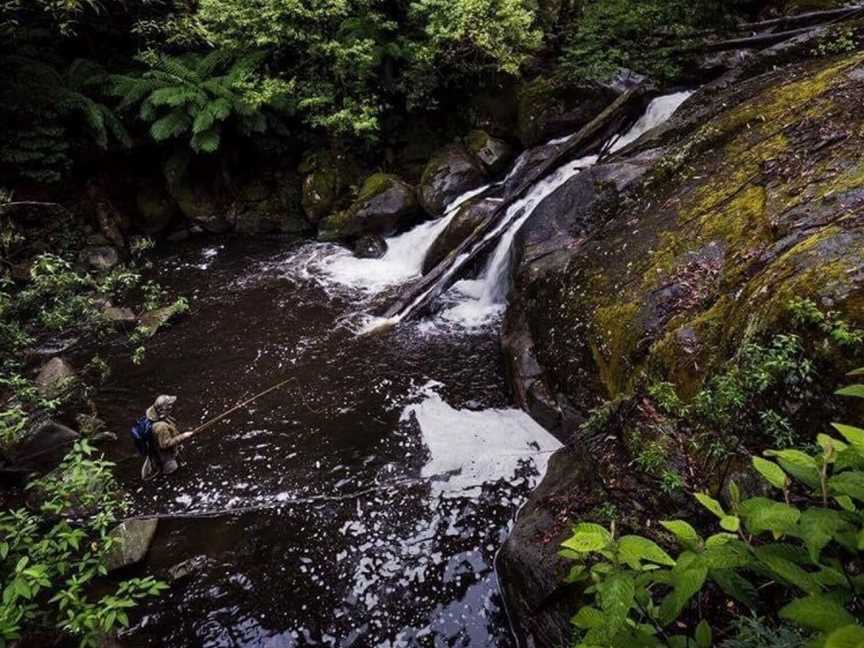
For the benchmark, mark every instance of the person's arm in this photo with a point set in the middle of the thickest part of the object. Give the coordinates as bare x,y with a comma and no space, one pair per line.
168,437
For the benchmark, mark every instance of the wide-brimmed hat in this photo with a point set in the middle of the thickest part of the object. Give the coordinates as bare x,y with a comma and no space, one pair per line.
160,407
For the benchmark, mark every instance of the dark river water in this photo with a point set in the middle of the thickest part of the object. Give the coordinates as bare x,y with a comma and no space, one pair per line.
363,504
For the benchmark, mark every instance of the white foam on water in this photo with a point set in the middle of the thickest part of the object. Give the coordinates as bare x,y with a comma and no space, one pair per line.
488,298
471,448
335,266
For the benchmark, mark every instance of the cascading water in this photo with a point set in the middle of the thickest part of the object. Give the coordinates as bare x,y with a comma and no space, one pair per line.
335,266
477,302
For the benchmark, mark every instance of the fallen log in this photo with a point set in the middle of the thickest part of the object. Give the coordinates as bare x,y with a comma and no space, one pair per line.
417,298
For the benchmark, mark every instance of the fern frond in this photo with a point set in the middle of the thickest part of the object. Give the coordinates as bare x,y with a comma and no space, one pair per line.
174,96
171,125
131,89
206,142
177,68
114,126
245,66
208,64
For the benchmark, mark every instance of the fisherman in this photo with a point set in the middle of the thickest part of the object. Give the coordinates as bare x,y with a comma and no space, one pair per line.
162,447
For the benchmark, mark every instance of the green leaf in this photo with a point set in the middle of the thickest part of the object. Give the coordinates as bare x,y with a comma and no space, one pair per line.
773,516
685,533
798,464
735,586
206,141
852,390
817,613
616,598
633,549
587,618
587,537
848,483
774,558
854,435
688,577
730,523
711,504
731,554
817,527
851,636
703,635
771,472
845,503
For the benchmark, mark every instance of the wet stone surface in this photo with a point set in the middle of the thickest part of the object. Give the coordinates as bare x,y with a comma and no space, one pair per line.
366,500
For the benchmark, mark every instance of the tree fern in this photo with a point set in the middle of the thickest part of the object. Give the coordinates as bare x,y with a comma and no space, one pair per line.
196,95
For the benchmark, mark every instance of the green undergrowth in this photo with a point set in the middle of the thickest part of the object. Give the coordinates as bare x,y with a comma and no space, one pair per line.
782,567
52,554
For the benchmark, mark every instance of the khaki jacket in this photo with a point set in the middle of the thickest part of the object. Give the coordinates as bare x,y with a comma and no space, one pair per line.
166,433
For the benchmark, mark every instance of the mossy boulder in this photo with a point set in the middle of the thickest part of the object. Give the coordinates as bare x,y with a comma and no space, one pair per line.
156,208
326,177
451,172
758,205
384,203
493,153
268,201
550,107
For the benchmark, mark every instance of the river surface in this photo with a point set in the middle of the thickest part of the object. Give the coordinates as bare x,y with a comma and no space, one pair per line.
360,505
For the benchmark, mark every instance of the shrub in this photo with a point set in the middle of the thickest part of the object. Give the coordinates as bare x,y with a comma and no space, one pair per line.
803,546
194,96
50,559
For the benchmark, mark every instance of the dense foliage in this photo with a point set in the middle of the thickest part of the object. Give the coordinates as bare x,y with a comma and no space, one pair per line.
50,558
802,544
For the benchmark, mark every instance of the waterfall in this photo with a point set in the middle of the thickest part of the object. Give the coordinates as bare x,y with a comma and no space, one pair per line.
335,266
476,302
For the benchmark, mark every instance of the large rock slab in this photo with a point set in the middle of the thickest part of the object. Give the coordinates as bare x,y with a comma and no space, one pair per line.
384,203
662,263
451,172
43,446
133,539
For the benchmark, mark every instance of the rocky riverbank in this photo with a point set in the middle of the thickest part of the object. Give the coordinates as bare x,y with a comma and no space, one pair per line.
656,268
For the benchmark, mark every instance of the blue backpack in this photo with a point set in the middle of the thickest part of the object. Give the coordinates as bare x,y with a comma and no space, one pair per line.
142,435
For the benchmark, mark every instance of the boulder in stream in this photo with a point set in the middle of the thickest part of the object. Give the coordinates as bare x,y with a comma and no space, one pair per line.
54,378
470,215
43,446
133,538
151,321
156,208
493,153
101,258
370,246
450,173
383,203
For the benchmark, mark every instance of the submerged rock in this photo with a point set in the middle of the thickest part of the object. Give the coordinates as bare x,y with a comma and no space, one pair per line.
493,153
133,539
370,246
450,173
120,316
551,108
54,378
470,216
384,203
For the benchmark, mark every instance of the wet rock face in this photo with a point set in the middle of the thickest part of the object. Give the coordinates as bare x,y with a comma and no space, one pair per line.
470,215
449,174
549,108
384,203
532,573
371,246
664,263
102,257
